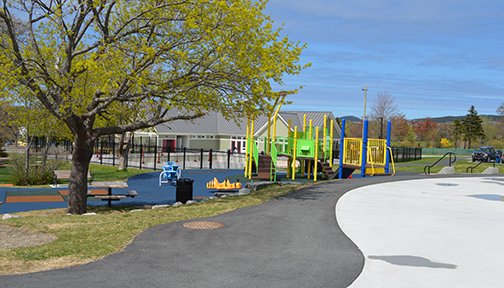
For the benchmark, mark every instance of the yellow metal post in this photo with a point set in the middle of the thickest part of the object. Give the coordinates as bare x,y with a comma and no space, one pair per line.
251,148
268,139
247,148
325,137
331,135
304,123
310,134
289,125
316,156
294,154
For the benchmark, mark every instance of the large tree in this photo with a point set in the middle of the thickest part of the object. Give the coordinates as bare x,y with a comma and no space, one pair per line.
88,61
472,127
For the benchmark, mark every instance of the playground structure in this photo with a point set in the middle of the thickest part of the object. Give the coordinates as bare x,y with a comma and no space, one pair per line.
371,156
305,147
224,186
170,174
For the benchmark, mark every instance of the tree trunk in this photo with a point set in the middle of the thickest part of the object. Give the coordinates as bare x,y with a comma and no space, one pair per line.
81,157
124,148
27,154
45,152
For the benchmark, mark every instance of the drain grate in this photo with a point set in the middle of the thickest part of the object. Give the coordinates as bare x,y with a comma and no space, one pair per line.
203,225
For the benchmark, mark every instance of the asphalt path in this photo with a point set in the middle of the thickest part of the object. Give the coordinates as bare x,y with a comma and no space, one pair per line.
291,241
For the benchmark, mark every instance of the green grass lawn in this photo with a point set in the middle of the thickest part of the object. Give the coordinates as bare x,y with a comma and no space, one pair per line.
460,165
5,174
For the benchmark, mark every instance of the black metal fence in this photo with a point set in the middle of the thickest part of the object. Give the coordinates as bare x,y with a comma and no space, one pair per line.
405,154
153,157
401,154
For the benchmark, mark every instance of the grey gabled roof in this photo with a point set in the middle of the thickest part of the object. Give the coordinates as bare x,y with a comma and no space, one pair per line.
212,123
215,124
317,118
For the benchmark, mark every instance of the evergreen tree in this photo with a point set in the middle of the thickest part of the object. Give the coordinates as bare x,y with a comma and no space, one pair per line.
472,125
458,131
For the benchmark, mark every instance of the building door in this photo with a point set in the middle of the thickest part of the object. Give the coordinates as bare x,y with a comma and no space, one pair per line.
169,143
235,146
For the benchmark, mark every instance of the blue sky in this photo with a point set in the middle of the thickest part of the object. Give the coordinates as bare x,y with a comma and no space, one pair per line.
436,58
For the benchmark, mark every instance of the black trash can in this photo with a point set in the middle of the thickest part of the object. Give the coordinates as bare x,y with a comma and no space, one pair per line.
184,190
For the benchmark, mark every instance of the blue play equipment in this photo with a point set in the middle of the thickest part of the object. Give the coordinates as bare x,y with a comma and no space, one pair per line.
170,174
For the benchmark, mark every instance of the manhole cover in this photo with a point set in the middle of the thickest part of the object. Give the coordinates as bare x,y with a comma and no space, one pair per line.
203,225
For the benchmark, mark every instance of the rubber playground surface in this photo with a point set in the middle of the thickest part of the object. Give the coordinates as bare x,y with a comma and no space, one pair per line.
147,186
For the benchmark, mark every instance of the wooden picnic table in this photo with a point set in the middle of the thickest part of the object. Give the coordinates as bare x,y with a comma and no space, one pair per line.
109,185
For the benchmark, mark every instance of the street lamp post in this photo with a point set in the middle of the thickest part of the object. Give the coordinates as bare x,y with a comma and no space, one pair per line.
365,89
365,97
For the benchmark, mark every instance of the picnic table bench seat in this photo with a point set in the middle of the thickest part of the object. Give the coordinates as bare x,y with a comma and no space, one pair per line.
65,175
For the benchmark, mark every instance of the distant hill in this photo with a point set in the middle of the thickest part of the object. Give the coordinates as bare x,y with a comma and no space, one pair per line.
449,119
351,118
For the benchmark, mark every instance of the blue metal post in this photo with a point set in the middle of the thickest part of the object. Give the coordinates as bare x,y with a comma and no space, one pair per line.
341,147
387,157
364,148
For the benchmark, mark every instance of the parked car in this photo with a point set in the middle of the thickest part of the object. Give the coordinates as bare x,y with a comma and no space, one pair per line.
484,153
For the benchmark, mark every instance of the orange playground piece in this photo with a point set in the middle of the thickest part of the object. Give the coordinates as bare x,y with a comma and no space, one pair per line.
226,185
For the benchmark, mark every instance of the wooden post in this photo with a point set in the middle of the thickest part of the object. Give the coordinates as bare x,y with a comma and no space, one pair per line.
309,169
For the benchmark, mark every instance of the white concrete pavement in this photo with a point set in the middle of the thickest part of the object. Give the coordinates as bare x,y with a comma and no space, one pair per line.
439,232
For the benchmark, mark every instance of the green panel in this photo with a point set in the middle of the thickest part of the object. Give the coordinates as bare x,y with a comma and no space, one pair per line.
274,154
302,135
286,149
305,148
255,153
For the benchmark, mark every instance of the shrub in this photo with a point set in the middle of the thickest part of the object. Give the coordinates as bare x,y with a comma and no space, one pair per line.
37,174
